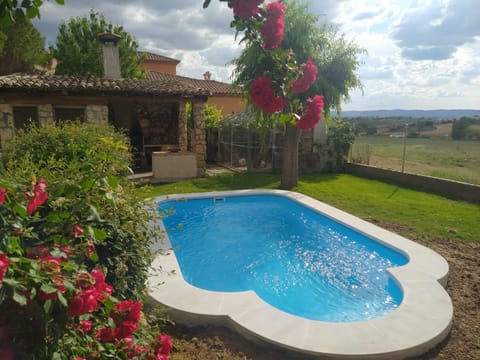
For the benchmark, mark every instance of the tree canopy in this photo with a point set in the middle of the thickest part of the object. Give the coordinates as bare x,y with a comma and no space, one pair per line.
79,50
21,47
310,69
13,10
335,57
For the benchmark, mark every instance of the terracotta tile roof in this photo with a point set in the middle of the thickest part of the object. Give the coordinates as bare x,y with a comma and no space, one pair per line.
214,87
157,58
173,86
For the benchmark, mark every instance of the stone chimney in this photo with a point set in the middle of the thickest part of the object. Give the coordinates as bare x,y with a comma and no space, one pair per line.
111,57
207,75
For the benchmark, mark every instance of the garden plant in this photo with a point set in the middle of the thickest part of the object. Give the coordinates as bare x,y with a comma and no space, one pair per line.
73,249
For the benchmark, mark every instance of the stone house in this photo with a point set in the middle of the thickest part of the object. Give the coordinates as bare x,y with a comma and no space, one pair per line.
152,111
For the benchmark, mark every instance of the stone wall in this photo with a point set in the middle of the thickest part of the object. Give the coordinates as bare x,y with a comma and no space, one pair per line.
448,188
6,124
45,114
199,141
97,114
182,127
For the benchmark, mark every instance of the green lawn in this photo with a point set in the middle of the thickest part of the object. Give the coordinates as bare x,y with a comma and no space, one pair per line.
445,158
414,214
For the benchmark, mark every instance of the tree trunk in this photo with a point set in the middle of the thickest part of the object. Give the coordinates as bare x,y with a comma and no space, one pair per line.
289,177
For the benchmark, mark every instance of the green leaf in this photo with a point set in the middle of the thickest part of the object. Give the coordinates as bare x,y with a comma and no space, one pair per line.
47,307
19,298
62,299
87,184
97,234
11,282
60,2
94,257
206,3
14,246
69,285
48,289
113,181
32,12
284,118
20,210
93,216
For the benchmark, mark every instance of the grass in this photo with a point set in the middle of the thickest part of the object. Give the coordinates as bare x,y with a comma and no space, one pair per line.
445,158
414,214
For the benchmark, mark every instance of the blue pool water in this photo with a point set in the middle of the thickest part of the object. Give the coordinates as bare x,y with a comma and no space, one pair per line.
294,258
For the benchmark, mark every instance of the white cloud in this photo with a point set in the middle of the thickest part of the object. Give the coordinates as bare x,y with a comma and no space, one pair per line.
421,53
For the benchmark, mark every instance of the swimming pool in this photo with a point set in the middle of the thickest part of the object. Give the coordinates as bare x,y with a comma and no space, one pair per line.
295,259
249,293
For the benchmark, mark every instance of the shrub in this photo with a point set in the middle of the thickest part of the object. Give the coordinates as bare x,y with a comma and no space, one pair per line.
86,166
51,305
52,147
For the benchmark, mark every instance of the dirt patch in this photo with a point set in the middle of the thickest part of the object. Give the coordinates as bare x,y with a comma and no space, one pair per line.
218,343
439,130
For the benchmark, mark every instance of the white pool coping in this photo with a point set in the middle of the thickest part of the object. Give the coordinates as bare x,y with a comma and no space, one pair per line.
420,322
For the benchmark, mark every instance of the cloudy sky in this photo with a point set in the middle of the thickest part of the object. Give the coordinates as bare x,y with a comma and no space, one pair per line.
422,54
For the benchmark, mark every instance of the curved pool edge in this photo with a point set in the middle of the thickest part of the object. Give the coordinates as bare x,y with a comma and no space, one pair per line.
421,321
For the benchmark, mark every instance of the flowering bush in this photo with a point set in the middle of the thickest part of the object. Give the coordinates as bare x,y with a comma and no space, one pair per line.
51,305
274,81
86,166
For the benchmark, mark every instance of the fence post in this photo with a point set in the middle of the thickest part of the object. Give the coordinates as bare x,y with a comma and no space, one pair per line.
404,146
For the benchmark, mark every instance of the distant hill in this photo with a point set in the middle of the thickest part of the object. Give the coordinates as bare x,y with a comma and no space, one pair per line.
431,114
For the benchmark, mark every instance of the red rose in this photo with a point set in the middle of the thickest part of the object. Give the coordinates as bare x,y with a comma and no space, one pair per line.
40,251
83,303
264,97
75,307
106,334
313,113
3,193
39,197
245,9
272,30
4,262
85,326
128,310
77,230
309,76
165,345
91,249
67,250
100,285
125,329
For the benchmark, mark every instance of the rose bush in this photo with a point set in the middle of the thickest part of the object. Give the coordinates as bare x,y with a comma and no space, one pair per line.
52,306
272,79
86,165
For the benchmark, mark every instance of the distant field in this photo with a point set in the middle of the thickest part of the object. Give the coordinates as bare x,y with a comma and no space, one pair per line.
445,158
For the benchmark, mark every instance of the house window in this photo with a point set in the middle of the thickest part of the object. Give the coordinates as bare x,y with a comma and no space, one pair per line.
69,113
24,116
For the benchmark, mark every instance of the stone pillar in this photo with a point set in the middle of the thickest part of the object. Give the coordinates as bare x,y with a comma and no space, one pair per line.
6,124
97,114
200,142
45,114
182,126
